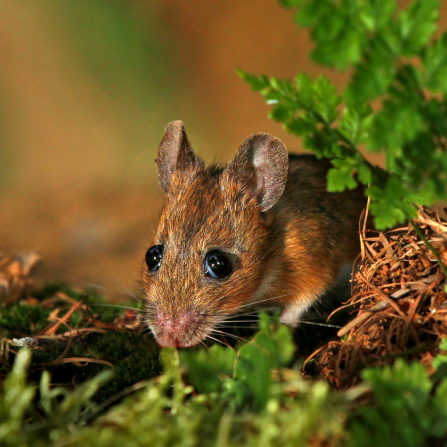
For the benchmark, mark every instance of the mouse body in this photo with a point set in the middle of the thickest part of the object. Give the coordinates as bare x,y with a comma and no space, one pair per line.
262,229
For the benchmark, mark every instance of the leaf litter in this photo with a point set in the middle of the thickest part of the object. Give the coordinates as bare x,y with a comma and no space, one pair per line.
399,300
67,321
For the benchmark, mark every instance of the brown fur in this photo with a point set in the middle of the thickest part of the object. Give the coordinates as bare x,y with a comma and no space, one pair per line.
288,237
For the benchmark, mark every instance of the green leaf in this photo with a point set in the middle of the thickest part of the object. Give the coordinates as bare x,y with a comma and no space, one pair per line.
341,178
16,396
312,13
301,126
257,83
289,3
364,173
404,411
410,381
434,58
395,125
172,377
381,44
440,361
336,31
305,87
49,395
376,15
208,369
279,342
439,427
253,368
352,122
390,204
270,349
327,101
417,25
75,403
373,75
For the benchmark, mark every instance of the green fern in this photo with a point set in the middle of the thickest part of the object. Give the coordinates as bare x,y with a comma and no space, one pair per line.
395,62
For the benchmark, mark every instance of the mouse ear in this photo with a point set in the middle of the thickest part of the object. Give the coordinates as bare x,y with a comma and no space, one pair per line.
174,153
262,161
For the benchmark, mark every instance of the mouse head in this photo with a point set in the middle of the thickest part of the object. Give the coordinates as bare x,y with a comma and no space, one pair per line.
212,242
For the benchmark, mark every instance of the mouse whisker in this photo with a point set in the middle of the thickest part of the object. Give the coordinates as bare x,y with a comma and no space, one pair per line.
318,324
219,341
263,301
221,298
313,318
250,313
243,314
208,349
115,305
239,321
229,335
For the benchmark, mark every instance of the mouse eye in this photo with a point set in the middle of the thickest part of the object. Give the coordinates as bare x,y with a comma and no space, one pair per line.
217,264
153,257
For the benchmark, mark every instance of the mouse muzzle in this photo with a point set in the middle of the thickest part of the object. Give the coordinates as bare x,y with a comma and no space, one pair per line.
182,330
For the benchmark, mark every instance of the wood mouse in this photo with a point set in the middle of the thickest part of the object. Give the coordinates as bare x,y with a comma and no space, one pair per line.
263,228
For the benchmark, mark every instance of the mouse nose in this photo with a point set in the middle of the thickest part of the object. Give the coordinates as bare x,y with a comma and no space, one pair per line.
179,330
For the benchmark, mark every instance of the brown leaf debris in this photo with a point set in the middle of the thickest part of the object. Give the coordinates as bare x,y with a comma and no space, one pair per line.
399,294
15,284
15,277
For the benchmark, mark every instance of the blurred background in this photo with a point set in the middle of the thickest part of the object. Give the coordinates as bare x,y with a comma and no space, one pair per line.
86,89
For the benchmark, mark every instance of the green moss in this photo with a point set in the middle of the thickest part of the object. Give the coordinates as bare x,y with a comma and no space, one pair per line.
234,400
134,356
23,320
168,412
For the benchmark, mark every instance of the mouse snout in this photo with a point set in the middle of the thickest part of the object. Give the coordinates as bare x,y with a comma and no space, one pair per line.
180,330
